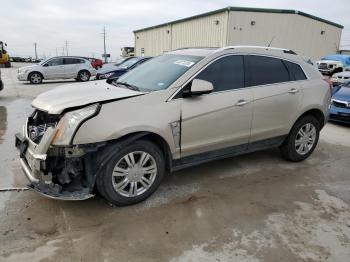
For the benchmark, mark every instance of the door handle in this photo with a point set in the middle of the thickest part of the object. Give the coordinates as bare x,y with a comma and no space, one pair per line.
293,91
242,102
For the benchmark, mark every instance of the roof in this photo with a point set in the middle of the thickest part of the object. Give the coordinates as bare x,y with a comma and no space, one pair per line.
245,9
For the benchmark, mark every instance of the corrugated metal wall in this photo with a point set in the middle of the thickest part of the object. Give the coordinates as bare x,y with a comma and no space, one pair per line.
209,31
154,41
296,32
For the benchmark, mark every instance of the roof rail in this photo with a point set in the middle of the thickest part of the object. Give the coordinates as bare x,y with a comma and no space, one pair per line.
196,47
284,50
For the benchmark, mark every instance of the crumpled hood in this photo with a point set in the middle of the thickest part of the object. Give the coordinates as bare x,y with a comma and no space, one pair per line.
79,94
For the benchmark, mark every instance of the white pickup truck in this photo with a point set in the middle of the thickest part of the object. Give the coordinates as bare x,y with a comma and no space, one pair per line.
332,64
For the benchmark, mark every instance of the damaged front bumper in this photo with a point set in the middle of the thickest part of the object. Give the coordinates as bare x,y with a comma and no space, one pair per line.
50,174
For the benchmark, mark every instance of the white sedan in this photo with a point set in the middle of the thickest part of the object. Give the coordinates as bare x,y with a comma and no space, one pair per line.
63,67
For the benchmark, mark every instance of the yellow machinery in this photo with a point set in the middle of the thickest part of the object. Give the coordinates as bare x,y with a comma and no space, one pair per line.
4,56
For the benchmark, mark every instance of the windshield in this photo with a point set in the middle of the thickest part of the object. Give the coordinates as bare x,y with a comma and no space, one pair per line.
44,61
160,72
129,63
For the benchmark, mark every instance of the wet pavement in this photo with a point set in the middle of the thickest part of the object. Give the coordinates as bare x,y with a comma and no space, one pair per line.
254,207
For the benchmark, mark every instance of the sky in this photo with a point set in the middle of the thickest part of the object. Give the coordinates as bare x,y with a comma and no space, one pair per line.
50,23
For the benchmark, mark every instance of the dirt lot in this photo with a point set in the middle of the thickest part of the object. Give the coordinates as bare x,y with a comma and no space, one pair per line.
255,207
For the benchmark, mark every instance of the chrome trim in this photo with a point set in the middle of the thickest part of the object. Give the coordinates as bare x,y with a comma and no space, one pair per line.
249,87
27,171
252,47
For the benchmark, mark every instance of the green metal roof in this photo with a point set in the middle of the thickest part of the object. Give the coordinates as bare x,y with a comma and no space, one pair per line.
245,9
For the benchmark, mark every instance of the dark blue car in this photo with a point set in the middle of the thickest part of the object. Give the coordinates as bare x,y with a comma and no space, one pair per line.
116,71
340,108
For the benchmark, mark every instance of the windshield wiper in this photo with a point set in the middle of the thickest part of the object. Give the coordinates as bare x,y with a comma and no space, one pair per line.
129,86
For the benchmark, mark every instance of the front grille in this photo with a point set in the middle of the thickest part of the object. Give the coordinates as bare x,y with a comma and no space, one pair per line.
323,66
38,123
339,104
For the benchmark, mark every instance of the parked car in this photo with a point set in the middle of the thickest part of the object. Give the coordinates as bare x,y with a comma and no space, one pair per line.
180,109
332,64
117,71
340,108
95,62
61,67
341,78
1,83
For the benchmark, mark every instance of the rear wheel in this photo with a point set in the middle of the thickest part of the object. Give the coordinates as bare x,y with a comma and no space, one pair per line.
35,78
302,139
133,174
84,76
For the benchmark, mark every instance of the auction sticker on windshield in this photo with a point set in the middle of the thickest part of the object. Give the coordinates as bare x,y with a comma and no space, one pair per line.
184,63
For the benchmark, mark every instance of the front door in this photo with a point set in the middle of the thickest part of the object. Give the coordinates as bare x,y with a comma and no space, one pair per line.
221,119
54,68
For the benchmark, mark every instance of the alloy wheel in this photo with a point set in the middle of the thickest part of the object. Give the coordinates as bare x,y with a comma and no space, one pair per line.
35,78
84,76
305,139
134,174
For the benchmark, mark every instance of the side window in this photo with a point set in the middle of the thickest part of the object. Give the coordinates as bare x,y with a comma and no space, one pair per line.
55,62
295,71
225,73
263,70
73,61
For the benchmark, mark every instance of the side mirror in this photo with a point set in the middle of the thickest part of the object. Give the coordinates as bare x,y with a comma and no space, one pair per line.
201,87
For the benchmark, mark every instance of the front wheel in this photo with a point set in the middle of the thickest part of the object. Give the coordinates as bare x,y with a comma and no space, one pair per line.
35,78
302,139
133,174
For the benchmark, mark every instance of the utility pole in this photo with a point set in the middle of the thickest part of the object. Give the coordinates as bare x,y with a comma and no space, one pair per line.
36,54
66,48
56,52
104,44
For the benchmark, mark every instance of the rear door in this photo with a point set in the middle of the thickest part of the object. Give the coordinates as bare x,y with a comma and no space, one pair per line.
222,118
277,96
72,66
54,68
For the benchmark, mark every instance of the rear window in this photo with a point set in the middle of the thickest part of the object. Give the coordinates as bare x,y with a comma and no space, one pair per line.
296,72
265,70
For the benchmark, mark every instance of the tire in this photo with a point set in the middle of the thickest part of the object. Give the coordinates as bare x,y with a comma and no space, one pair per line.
297,147
84,76
123,182
35,78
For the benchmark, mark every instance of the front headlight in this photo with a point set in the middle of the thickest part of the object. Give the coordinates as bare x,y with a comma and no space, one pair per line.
70,122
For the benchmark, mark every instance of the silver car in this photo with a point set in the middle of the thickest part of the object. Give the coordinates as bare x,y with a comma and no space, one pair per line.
62,67
183,108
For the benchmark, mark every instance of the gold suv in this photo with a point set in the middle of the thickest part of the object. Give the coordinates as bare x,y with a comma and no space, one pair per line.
177,110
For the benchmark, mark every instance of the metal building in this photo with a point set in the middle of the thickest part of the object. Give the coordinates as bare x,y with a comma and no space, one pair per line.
305,34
